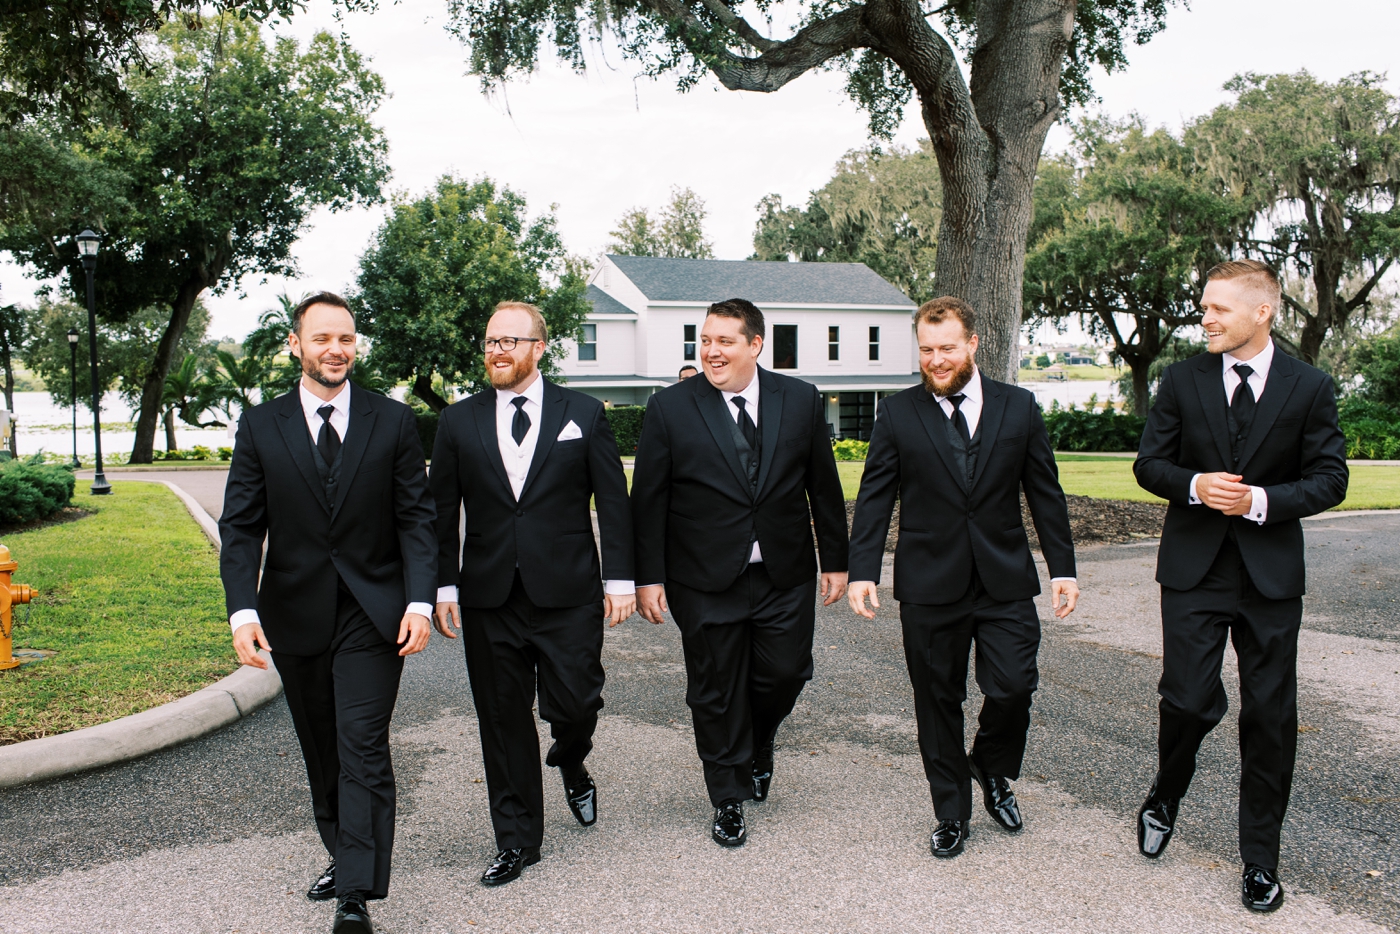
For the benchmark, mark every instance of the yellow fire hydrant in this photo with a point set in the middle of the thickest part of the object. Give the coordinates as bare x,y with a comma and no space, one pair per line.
10,594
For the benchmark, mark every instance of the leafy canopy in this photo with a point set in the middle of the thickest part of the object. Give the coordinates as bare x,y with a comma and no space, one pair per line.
678,232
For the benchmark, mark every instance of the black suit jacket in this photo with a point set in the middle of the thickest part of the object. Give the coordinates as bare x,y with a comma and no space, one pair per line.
945,524
377,536
548,534
1295,451
694,510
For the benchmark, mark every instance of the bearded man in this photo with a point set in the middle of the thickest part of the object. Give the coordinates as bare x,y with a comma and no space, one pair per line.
956,452
523,459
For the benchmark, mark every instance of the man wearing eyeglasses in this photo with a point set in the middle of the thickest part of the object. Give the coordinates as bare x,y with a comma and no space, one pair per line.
523,459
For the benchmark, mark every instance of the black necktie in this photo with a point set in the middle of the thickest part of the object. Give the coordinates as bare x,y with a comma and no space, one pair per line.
1242,404
327,440
746,425
520,424
960,420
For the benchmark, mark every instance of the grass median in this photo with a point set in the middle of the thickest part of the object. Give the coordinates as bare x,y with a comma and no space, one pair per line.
129,599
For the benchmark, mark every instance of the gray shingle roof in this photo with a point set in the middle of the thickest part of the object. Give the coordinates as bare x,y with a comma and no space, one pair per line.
713,280
605,304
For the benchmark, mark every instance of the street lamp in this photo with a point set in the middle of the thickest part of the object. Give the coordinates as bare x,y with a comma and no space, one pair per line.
87,249
73,369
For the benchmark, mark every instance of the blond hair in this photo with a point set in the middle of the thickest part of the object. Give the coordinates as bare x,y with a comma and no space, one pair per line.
538,328
1258,277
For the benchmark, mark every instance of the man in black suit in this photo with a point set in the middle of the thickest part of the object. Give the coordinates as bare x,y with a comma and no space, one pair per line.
333,477
1242,442
523,459
732,473
957,451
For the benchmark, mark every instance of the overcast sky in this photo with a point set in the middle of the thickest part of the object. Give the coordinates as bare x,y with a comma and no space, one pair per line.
599,143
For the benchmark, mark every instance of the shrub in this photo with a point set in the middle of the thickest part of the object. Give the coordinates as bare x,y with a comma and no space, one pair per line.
1073,429
30,490
1372,429
850,450
225,454
626,424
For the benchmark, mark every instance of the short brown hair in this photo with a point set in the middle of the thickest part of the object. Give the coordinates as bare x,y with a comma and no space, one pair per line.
538,328
938,310
1260,277
745,311
318,298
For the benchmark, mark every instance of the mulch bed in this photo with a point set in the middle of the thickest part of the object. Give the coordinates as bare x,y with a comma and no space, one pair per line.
1091,521
66,514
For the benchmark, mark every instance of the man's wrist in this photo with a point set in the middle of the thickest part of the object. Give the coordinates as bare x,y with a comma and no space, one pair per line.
242,618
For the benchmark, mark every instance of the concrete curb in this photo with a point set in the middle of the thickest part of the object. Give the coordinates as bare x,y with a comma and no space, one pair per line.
179,721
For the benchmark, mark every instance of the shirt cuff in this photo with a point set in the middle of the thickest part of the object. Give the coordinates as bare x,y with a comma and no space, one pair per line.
1258,505
447,594
422,609
1194,499
619,588
1053,579
243,617
658,584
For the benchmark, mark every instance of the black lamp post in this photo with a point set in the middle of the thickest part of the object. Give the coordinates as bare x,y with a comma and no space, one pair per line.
73,369
87,248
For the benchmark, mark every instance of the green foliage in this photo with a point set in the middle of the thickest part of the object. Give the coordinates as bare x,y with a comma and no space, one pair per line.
1377,361
1173,351
881,208
197,453
1074,429
850,450
1043,360
1372,428
30,490
225,454
678,232
626,424
191,391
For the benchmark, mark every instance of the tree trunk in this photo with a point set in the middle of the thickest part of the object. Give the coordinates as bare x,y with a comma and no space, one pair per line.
1141,392
423,389
143,451
10,400
170,443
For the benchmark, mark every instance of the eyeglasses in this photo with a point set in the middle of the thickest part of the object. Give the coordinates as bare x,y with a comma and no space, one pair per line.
504,343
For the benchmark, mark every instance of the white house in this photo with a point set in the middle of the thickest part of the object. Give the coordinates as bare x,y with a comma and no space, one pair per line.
837,325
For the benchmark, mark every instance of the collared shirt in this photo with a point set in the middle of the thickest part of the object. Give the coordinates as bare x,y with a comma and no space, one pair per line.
971,405
517,458
340,422
750,396
1260,363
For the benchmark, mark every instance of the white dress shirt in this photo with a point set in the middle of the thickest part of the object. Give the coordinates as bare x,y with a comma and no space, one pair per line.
750,396
340,423
517,458
1260,364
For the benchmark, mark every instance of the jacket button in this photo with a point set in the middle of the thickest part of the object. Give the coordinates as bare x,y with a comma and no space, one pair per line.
335,552
971,514
519,513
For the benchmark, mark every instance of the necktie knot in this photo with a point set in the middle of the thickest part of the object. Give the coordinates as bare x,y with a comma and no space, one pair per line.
1244,370
957,399
326,411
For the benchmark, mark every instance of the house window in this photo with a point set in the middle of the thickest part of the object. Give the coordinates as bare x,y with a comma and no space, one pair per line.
784,346
833,343
689,342
874,343
588,347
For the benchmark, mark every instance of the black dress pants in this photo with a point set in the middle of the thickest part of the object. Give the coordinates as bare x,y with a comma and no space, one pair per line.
748,653
514,651
341,702
937,640
1195,625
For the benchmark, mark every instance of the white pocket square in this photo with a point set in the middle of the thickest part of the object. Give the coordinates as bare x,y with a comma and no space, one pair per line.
570,432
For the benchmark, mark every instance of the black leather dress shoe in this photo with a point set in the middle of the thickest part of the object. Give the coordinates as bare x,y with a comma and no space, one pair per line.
1260,889
1156,819
998,798
509,864
581,794
948,838
762,772
323,889
728,829
352,917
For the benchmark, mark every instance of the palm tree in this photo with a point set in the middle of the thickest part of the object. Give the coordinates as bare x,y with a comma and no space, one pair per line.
237,380
189,393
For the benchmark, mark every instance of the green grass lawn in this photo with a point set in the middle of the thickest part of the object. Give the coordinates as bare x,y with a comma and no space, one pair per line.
129,598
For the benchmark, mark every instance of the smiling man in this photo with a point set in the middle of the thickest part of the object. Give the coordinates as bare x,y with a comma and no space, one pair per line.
733,471
333,477
1242,442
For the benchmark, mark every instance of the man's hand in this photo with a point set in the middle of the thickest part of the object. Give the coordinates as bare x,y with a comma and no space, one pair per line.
413,633
246,640
445,613
1067,589
833,586
857,593
1224,492
651,603
617,607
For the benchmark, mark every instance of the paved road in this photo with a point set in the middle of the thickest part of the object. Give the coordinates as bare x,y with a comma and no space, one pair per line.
214,836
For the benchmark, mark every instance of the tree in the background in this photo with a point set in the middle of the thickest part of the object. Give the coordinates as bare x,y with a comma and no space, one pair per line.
882,208
1319,166
438,267
190,392
677,232
1026,60
238,379
15,325
230,146
1126,227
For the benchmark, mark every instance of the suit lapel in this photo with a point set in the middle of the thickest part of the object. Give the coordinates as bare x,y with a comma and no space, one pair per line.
552,409
1210,387
933,418
712,410
1283,377
292,423
484,414
993,407
356,443
770,416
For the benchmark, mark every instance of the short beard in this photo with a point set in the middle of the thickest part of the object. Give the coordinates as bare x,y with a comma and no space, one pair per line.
313,369
519,372
955,385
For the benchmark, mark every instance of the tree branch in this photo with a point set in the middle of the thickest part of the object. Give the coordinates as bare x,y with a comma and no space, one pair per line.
739,26
1359,299
1297,306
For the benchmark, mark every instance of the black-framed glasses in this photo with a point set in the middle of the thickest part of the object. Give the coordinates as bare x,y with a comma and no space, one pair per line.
504,343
